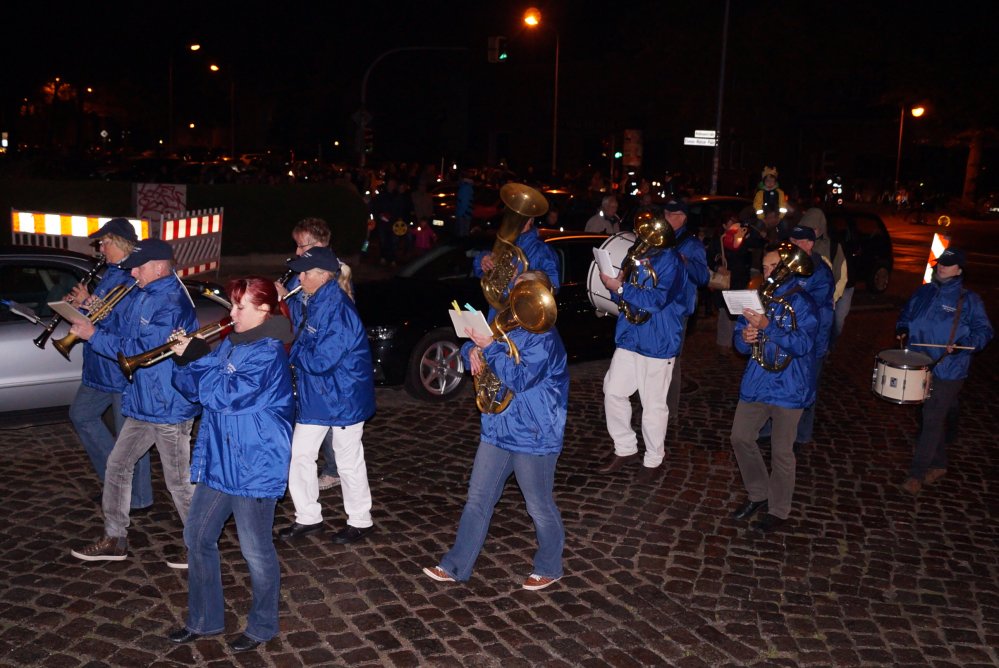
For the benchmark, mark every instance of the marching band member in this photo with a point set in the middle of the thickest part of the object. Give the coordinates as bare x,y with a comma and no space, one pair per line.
942,313
335,384
155,413
525,440
103,382
773,394
240,460
643,359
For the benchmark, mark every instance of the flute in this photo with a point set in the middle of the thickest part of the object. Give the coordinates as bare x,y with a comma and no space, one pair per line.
291,293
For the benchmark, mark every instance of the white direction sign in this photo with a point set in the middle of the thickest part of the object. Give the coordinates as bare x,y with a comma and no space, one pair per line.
699,141
704,134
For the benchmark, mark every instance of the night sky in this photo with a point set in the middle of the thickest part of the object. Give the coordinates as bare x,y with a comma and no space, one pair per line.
296,71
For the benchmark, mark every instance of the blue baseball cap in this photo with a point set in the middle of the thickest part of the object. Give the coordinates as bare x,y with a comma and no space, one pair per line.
145,251
320,257
801,232
117,226
675,205
950,257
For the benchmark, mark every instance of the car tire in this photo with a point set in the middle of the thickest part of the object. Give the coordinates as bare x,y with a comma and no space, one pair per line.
436,371
879,279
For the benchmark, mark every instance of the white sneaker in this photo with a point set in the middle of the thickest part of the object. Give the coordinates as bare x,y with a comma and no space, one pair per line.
178,562
328,481
439,574
536,582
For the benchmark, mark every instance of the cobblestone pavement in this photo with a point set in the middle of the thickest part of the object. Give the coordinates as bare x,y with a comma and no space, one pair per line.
655,574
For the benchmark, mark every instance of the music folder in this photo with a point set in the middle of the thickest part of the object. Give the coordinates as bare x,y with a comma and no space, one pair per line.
474,320
604,262
68,311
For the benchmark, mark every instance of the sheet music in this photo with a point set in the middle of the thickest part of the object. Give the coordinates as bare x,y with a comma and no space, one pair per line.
604,262
474,320
737,300
68,311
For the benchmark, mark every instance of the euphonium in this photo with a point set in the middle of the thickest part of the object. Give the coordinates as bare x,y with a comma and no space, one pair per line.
100,309
85,281
794,262
653,233
532,307
522,203
150,357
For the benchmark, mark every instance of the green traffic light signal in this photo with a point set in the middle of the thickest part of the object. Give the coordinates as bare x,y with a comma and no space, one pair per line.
618,155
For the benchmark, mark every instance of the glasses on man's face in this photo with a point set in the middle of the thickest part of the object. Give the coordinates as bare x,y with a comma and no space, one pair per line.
105,242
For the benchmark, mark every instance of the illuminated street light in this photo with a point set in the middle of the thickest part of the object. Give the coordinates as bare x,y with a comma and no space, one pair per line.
213,67
532,19
916,112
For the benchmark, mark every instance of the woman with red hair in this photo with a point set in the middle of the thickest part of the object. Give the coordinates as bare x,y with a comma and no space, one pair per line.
239,464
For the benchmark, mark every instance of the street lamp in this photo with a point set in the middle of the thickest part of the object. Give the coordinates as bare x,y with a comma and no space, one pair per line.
916,112
532,19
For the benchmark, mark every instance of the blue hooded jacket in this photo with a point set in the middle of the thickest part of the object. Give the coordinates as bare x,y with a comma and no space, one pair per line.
695,263
101,373
160,308
928,317
534,422
793,387
661,336
334,375
244,442
820,286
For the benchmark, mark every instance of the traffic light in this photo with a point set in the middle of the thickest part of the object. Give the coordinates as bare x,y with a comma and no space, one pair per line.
497,52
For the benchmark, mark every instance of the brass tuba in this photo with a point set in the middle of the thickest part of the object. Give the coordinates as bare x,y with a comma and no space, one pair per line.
100,309
794,262
653,234
150,357
522,203
532,307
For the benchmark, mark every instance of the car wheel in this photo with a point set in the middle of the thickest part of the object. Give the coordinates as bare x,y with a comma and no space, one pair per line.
879,279
436,371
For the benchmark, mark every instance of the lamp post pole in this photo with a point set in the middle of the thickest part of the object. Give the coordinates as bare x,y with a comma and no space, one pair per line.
716,159
555,109
898,156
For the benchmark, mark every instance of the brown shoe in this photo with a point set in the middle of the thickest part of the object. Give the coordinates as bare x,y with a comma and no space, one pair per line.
648,475
912,486
933,475
616,463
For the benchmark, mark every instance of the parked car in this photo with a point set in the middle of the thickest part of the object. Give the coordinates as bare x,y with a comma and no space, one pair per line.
412,339
866,243
33,378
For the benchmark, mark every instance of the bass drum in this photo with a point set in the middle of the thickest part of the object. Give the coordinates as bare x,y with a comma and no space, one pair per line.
617,245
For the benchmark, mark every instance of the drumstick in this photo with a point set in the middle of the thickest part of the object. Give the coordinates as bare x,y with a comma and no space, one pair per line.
941,345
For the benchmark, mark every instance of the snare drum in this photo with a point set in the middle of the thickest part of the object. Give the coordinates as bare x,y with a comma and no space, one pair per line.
617,245
902,376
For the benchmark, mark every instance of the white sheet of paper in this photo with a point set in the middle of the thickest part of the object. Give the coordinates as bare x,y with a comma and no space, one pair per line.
67,311
604,262
737,300
474,320
25,312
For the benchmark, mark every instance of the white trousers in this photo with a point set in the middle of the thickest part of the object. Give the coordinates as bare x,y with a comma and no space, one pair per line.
303,479
630,372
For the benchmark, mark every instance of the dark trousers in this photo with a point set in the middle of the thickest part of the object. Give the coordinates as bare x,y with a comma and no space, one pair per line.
939,418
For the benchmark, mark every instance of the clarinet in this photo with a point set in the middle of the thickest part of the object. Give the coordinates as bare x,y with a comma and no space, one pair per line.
49,328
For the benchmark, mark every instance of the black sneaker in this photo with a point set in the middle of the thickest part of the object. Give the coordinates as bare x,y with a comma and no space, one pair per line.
107,548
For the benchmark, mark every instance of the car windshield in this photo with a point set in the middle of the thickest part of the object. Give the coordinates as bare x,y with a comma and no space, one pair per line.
447,261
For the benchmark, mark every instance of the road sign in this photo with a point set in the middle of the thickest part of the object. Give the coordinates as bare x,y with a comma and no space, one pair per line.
699,141
704,134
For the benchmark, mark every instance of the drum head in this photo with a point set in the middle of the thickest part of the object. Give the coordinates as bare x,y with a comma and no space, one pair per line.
904,359
617,245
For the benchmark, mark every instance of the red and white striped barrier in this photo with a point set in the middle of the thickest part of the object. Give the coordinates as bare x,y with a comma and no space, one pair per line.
196,238
63,230
939,245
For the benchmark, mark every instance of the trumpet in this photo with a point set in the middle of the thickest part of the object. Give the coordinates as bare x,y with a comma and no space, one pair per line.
98,312
159,353
85,281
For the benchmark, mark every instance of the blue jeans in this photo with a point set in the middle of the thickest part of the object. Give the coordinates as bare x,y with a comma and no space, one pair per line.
329,459
210,510
86,413
536,477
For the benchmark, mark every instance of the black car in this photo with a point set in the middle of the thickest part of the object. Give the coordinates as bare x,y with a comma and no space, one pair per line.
866,243
412,339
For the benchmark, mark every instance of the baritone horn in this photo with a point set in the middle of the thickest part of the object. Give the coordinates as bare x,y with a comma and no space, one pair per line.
794,262
653,233
532,307
522,203
159,353
100,309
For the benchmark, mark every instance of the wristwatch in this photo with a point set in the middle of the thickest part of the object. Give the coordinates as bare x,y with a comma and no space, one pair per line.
620,289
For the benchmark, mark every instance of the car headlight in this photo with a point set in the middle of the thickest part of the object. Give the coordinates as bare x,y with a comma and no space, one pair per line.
381,332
